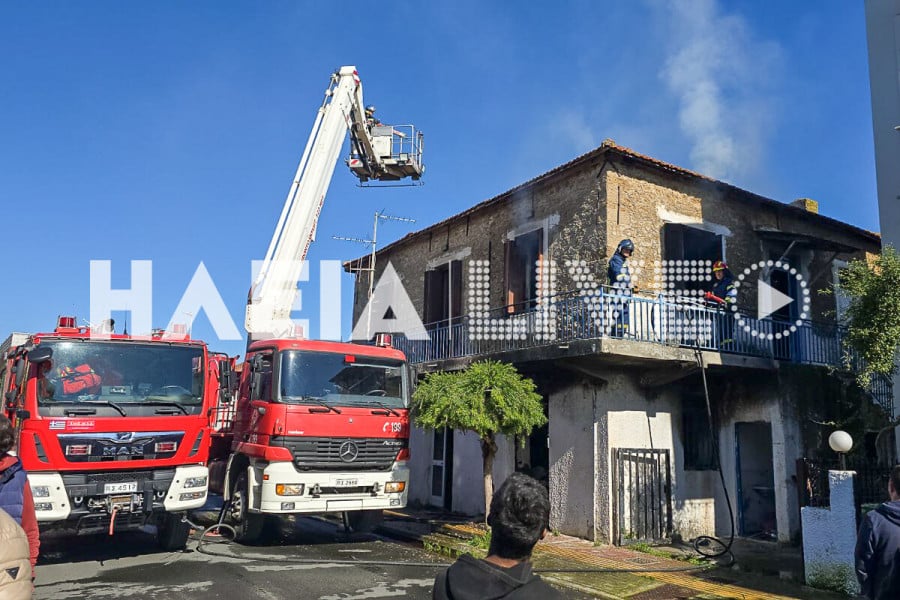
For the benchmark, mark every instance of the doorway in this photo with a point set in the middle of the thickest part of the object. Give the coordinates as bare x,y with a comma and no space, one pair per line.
533,457
755,480
442,469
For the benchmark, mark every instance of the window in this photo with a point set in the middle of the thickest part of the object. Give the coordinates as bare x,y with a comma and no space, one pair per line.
522,255
683,242
443,294
696,438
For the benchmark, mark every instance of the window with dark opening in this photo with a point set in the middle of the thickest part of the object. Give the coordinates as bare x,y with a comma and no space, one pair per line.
683,242
522,255
443,294
696,437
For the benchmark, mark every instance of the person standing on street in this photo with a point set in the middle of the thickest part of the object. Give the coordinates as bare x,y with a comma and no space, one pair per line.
878,547
519,518
15,493
15,572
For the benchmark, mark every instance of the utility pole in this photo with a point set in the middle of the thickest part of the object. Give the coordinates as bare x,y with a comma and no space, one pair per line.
379,216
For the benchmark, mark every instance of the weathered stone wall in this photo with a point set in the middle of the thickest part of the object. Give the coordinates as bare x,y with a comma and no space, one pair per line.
642,200
568,207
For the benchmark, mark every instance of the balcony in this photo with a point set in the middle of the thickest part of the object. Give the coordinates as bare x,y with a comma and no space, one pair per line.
606,322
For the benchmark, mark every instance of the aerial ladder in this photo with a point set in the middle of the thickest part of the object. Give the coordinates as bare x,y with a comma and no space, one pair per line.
314,426
381,153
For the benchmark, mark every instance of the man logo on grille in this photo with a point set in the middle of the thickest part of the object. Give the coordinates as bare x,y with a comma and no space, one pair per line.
348,451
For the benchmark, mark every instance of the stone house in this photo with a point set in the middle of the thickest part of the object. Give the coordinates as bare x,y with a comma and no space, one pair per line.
628,452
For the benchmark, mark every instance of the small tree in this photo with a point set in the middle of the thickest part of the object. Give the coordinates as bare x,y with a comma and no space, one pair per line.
873,313
487,398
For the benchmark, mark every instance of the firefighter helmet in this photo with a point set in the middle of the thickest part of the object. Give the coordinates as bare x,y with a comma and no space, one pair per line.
625,244
719,266
370,110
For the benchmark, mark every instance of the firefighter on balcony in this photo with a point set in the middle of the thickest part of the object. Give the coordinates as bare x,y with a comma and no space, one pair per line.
619,275
723,296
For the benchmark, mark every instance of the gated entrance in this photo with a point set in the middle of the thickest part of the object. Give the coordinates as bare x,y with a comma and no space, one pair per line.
642,481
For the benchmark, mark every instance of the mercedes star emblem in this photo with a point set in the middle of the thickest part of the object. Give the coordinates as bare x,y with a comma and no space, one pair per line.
348,451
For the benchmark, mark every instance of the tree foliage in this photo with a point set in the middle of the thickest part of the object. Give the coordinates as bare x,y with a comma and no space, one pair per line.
487,398
873,314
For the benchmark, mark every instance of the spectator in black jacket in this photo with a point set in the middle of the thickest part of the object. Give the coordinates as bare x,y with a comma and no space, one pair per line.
520,516
878,547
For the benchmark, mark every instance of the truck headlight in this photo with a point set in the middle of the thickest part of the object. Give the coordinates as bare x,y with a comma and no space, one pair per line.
193,482
289,489
394,487
191,496
41,491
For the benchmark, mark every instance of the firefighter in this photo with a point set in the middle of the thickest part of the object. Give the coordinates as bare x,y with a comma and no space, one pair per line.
371,119
619,275
724,292
45,388
723,297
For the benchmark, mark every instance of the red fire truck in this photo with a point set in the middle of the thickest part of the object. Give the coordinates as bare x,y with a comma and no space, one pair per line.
112,429
319,427
316,426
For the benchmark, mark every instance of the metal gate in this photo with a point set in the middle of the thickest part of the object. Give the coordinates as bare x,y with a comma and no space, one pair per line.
642,480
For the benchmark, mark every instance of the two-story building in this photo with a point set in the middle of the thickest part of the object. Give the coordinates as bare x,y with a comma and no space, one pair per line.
627,374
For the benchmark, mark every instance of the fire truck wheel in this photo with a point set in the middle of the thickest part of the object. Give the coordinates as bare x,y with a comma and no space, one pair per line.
247,526
172,533
364,521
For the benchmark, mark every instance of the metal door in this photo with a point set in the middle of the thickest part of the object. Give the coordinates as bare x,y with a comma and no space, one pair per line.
642,482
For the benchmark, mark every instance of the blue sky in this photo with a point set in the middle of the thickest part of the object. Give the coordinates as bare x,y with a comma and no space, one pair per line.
170,131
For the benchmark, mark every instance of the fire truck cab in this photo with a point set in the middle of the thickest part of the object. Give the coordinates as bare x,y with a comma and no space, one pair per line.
112,429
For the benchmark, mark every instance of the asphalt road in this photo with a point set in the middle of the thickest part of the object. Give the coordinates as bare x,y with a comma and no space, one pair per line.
129,565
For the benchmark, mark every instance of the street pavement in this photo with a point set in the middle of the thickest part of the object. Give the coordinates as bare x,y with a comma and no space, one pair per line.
337,567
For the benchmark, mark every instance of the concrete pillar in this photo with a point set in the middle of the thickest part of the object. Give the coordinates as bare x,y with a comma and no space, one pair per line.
829,538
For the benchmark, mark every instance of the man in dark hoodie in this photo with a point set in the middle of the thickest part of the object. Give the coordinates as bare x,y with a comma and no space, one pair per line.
878,547
520,515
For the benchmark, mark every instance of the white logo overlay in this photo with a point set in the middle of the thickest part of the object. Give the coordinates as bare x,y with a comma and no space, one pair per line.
669,302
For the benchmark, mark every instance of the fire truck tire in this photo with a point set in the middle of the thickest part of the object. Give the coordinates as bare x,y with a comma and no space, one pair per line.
248,527
364,521
172,533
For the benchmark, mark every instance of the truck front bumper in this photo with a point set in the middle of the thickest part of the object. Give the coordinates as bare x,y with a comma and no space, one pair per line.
326,491
80,496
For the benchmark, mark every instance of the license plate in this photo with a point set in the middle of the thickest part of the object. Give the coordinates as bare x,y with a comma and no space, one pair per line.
345,482
118,488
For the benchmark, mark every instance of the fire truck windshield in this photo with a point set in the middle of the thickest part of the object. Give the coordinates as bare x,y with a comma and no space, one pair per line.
317,377
121,378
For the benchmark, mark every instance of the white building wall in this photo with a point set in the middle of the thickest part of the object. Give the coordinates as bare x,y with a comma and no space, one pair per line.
468,483
573,466
420,449
883,33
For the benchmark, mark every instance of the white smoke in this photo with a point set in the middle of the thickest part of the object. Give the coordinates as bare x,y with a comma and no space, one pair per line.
722,76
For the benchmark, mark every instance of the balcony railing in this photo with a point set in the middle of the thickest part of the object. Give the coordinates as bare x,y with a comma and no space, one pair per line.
657,320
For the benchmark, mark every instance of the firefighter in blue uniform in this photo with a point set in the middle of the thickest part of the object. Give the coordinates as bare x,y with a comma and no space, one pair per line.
619,275
723,297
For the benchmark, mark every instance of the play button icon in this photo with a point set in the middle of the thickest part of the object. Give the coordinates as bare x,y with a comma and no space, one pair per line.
769,300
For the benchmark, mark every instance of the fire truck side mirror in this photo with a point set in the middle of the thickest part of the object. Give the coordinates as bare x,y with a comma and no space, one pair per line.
39,355
10,399
23,414
19,370
225,382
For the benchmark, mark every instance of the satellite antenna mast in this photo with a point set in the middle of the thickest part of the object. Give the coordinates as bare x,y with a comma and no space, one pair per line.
373,243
